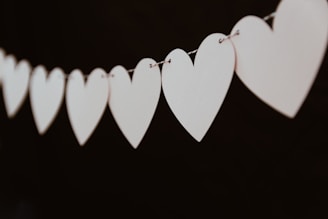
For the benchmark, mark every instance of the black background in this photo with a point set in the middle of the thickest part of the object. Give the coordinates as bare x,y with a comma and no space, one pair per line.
253,162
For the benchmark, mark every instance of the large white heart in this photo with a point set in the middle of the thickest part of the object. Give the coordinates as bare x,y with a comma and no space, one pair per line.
46,96
133,103
280,66
2,57
15,81
86,102
196,92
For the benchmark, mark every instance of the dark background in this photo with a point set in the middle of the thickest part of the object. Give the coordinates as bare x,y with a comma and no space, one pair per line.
253,162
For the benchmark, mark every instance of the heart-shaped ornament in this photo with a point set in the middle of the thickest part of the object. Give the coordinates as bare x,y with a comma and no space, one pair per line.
133,103
279,66
2,57
86,102
195,92
15,81
46,96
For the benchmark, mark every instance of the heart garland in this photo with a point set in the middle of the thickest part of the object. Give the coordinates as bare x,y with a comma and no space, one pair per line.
278,65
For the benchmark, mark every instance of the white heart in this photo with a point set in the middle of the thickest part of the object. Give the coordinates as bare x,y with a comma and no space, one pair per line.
196,92
133,104
46,96
2,58
15,81
86,103
280,66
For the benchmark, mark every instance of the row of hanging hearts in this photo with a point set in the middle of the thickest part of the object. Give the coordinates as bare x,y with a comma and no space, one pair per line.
278,66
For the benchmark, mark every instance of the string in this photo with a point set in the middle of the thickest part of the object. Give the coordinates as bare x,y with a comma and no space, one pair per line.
270,16
266,18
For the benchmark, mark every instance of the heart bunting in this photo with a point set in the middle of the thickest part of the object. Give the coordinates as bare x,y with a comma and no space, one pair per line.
279,66
195,92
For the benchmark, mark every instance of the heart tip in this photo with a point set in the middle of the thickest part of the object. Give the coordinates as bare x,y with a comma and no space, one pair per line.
11,115
290,115
198,139
82,142
42,132
134,145
134,142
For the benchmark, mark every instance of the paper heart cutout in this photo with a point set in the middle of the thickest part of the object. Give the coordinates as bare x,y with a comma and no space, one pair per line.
46,96
2,57
133,103
196,92
280,66
15,81
86,102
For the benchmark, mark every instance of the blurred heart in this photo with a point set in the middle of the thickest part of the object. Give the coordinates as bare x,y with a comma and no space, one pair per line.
46,96
86,102
2,57
15,81
279,66
133,103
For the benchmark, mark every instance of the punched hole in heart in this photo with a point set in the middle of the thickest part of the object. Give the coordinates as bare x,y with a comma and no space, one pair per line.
71,77
104,75
159,63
